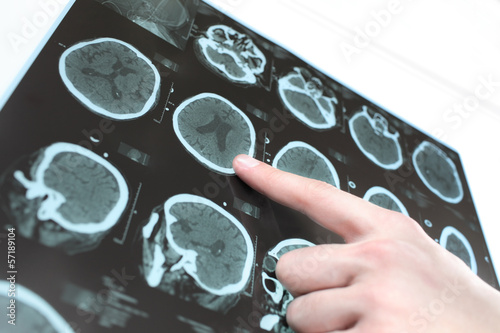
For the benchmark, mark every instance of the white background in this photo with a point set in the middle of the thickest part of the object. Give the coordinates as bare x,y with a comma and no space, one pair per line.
416,58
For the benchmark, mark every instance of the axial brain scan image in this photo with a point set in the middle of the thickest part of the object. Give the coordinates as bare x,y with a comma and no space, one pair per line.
304,160
276,298
31,313
308,98
384,198
64,196
214,131
455,242
372,136
230,54
191,244
438,172
110,78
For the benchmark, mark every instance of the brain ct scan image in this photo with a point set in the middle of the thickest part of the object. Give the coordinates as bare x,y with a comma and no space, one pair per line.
191,244
111,78
438,172
214,131
31,312
455,242
308,99
384,198
230,54
373,138
64,196
277,298
161,17
304,160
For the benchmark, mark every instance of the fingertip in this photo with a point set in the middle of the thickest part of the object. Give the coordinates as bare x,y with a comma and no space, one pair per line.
282,266
242,162
293,313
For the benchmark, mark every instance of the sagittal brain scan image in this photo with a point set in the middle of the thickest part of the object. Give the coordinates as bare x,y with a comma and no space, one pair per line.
31,312
304,160
455,242
438,172
214,131
64,196
110,78
161,17
277,298
230,54
193,247
308,99
373,138
384,198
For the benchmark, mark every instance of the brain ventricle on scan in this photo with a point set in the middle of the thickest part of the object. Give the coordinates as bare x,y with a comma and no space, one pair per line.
110,78
190,236
214,131
64,196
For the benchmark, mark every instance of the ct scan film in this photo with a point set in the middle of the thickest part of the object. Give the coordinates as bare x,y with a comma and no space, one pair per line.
117,192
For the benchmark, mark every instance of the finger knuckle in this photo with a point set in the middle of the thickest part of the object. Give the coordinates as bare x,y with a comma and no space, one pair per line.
399,221
381,252
294,308
294,313
284,266
288,274
374,297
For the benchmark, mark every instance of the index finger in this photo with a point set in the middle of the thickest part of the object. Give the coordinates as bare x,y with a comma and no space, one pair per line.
345,214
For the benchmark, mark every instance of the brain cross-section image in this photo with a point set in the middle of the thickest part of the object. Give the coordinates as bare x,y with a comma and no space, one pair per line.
276,298
230,54
161,17
214,131
197,251
438,172
304,160
110,78
372,136
455,242
64,196
384,198
31,313
308,99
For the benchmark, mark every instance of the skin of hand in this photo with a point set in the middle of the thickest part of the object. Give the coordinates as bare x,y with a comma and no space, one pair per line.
390,276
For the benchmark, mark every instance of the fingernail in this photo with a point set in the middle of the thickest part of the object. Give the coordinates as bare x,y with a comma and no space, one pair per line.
245,162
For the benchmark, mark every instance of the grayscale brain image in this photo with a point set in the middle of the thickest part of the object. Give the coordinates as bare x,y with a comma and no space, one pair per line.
304,160
308,98
230,54
455,242
384,198
191,244
276,298
64,196
214,131
31,313
117,188
373,138
110,78
161,17
438,172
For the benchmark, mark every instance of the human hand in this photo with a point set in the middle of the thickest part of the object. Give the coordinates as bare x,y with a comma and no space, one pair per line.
388,277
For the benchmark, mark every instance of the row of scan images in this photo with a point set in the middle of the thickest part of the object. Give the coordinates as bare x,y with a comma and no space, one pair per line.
70,191
116,81
44,185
